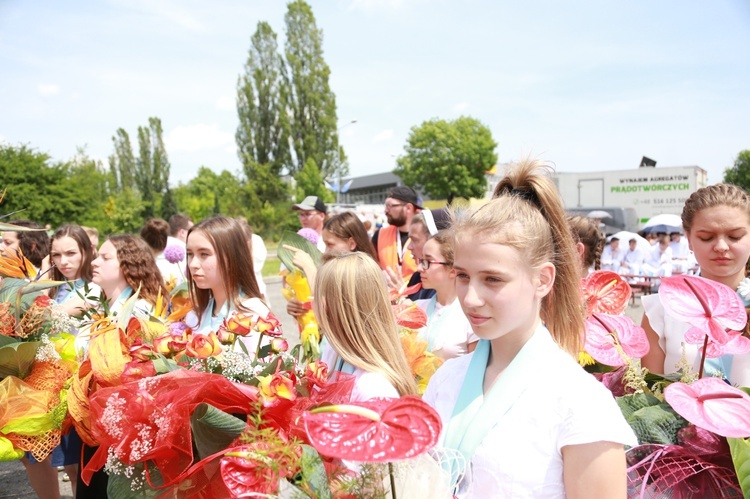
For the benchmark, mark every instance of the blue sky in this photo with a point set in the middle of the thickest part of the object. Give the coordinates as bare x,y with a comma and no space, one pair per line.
586,84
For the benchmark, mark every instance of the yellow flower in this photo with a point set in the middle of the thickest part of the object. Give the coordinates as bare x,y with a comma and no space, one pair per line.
585,359
275,387
204,346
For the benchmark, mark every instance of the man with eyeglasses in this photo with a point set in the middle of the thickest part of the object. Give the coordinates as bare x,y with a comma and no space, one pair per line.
392,242
312,215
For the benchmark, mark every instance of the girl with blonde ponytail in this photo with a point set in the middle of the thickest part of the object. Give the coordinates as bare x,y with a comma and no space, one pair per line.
519,411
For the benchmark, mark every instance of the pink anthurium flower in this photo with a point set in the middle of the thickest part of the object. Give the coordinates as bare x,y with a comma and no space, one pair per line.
603,330
713,405
736,346
605,292
375,431
711,307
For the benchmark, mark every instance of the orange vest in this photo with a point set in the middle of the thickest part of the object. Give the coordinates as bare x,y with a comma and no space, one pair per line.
388,252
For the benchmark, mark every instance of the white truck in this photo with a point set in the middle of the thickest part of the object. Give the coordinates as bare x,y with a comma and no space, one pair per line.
650,190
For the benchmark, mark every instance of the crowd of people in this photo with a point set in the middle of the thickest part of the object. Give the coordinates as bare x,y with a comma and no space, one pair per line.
500,286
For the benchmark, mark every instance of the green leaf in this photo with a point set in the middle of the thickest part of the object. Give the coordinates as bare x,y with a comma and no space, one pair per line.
120,486
17,358
164,365
213,429
631,403
314,473
296,241
656,424
36,286
7,340
740,449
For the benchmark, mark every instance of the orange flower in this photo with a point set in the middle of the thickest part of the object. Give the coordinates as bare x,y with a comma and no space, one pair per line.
17,266
275,387
317,372
141,352
279,345
225,337
269,326
203,347
240,323
135,370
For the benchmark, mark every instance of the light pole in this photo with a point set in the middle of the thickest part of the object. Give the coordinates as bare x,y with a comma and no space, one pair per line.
338,161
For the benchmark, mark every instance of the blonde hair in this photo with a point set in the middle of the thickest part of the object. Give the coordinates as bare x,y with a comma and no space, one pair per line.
447,244
527,214
352,307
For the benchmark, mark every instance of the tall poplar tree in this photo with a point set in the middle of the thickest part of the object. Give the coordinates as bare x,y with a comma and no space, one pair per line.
152,166
263,132
312,103
122,162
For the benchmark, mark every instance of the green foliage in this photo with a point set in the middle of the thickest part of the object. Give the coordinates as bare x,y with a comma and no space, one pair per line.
122,213
213,429
313,474
652,420
310,183
739,173
168,205
262,93
740,449
312,103
448,159
17,358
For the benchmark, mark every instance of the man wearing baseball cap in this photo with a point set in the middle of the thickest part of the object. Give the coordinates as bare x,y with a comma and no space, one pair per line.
312,214
392,242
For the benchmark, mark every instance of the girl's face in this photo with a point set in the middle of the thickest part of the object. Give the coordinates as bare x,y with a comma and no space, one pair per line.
417,237
720,239
335,243
437,274
500,295
203,262
106,269
9,243
67,257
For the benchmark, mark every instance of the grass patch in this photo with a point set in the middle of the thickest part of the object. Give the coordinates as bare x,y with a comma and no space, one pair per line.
271,267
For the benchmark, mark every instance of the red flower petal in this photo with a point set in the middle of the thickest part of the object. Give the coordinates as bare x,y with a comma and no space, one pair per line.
409,315
407,428
601,345
711,306
605,292
713,405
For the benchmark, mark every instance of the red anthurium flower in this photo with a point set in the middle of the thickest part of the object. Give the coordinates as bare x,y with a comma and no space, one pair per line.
601,331
736,346
255,469
409,315
713,405
709,306
605,292
378,430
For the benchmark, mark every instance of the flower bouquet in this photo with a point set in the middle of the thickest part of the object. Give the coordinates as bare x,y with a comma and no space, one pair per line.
686,424
36,360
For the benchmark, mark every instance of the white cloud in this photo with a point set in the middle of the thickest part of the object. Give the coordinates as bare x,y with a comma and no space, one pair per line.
193,138
461,107
383,136
48,89
226,103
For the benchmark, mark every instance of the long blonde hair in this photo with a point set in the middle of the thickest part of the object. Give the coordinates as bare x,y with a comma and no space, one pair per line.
527,214
352,307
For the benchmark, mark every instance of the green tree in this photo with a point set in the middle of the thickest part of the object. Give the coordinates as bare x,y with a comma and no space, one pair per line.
312,103
310,183
448,159
262,92
122,162
168,205
152,166
739,172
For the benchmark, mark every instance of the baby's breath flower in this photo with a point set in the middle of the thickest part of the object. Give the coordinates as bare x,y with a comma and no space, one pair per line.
46,351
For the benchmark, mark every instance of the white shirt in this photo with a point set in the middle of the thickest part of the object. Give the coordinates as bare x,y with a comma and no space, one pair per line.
521,455
448,330
169,271
610,259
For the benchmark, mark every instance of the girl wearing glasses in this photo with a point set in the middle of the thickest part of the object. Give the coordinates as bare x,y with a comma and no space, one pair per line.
524,417
448,332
